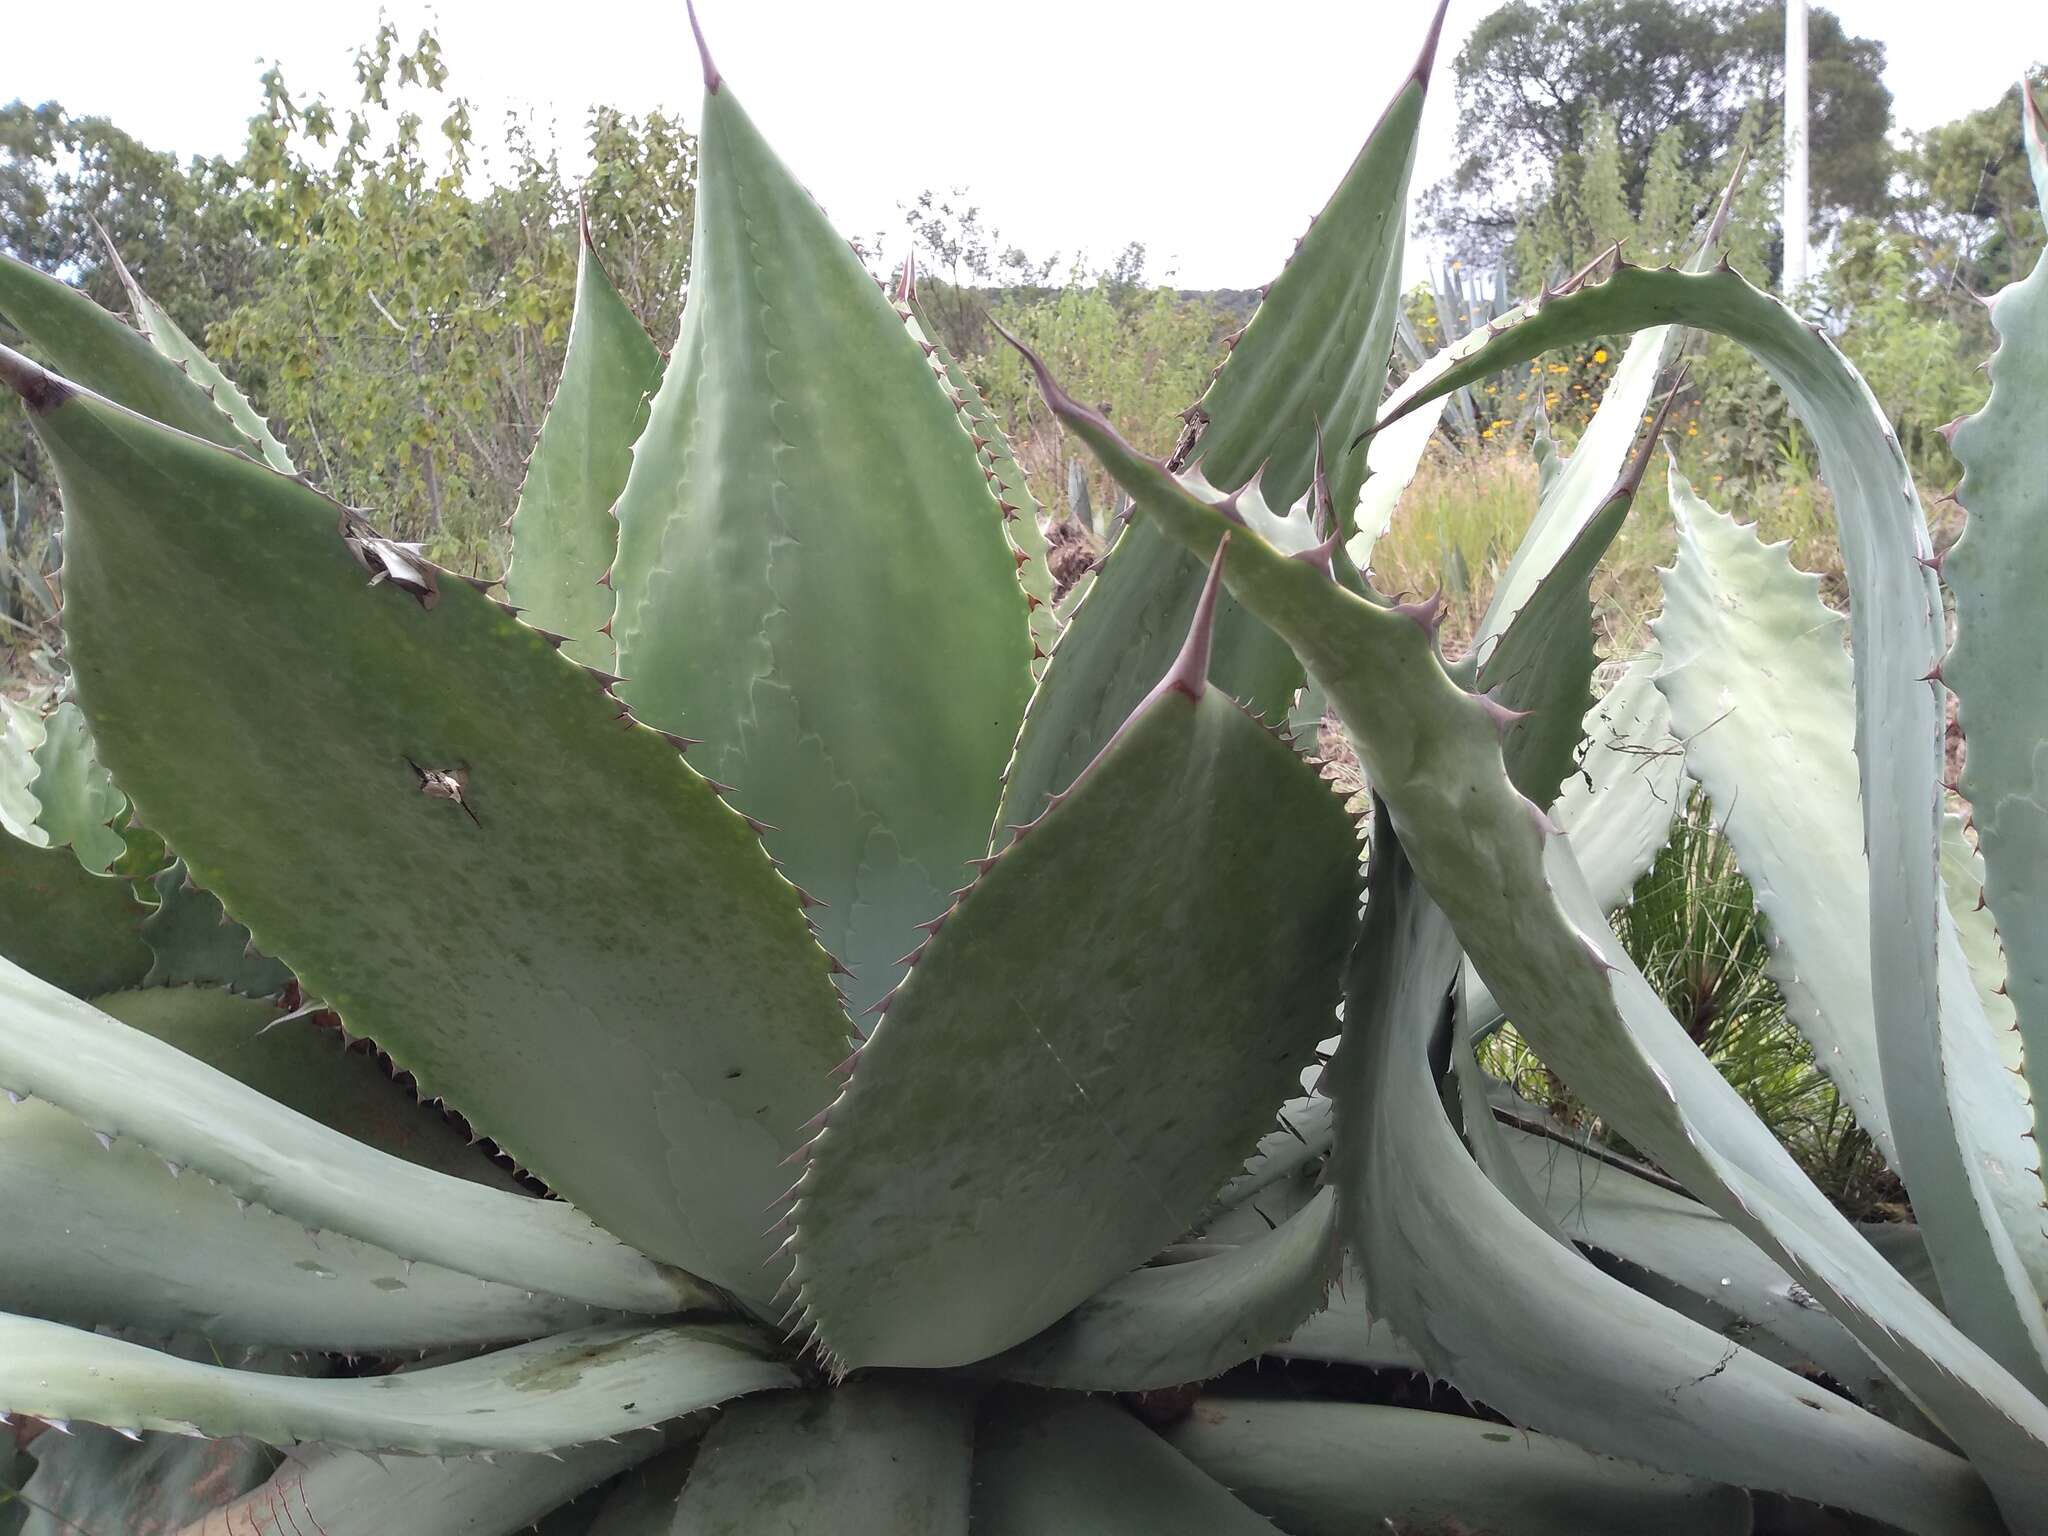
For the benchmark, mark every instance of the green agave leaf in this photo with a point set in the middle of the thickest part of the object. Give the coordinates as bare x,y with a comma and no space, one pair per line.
1528,1326
114,1235
997,1154
1338,1469
565,1390
1125,630
323,1491
797,446
1346,1332
1173,1323
1617,807
162,332
1994,570
1052,1462
192,941
524,896
21,732
1962,881
1006,477
643,1501
563,536
297,1063
78,800
74,929
93,1482
1760,687
1487,855
879,1457
1313,358
1306,1128
122,1082
83,343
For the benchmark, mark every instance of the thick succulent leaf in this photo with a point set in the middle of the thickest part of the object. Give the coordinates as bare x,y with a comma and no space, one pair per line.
1597,1202
114,1235
1046,1462
307,1067
1995,570
21,732
82,342
193,942
574,932
1760,691
1529,1326
1962,880
564,1390
1172,1323
162,332
1346,1332
122,1082
1487,856
881,1457
1306,1127
79,803
324,1491
93,1482
74,929
1006,477
1340,1469
563,536
1313,357
1122,634
998,1154
864,703
1618,806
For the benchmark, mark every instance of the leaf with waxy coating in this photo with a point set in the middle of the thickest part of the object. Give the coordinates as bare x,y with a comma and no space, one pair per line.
1340,1469
93,1482
998,1153
566,928
1048,1462
565,1390
1171,1323
1519,902
2001,686
131,1087
74,929
192,941
1760,691
881,1457
78,800
797,447
563,536
1529,1326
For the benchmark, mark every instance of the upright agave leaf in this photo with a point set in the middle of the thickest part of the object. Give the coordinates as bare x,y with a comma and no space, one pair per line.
563,536
812,575
2001,685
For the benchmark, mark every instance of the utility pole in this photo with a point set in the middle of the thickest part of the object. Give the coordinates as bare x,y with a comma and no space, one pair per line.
1797,201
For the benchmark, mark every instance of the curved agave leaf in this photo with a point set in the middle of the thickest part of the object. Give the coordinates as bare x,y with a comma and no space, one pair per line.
1172,1323
1618,806
1529,1326
85,344
161,332
565,1390
544,955
1994,570
997,1154
881,1457
21,732
563,536
1336,1469
1306,1128
1508,881
1046,1462
1346,1332
77,798
323,1491
295,1062
193,942
1760,689
862,702
120,1081
115,1235
72,928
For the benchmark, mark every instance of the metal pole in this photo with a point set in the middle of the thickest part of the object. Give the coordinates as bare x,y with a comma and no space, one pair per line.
1798,211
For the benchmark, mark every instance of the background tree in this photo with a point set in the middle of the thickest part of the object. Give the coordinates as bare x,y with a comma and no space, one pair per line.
1537,77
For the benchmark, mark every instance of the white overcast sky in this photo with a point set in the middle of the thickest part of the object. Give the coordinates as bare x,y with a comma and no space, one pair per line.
1208,129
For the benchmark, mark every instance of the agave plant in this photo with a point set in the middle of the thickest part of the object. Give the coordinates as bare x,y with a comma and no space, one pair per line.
834,1191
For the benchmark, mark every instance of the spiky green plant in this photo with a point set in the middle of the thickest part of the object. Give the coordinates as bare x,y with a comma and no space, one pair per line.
238,1242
